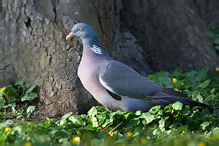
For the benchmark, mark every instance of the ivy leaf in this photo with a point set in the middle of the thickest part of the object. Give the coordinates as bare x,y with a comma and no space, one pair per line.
205,84
29,97
76,120
166,81
31,89
216,41
204,125
155,109
152,77
161,123
168,108
186,111
177,105
63,119
129,116
148,118
133,122
30,109
92,112
10,105
66,115
5,124
19,83
200,98
177,71
182,128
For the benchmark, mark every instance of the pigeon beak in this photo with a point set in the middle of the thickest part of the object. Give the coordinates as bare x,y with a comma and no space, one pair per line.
70,36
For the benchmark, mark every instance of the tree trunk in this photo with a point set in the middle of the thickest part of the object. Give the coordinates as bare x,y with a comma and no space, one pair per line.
146,35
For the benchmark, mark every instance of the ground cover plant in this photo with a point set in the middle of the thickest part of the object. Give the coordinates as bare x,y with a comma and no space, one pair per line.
173,124
214,36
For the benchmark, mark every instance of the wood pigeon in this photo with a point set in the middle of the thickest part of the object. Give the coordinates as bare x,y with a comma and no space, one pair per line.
116,85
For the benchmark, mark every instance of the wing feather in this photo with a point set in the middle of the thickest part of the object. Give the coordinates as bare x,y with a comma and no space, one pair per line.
122,80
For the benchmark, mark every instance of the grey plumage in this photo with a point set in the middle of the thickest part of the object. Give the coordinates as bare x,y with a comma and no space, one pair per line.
116,85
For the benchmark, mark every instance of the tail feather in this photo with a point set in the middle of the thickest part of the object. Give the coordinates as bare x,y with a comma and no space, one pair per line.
183,98
173,92
189,102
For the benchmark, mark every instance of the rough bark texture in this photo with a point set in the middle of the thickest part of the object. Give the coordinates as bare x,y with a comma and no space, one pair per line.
146,35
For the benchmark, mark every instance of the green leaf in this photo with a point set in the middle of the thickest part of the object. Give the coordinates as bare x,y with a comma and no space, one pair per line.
182,128
63,120
186,111
177,105
10,94
177,121
2,100
66,115
205,84
5,124
29,97
162,74
19,83
177,71
148,118
211,34
166,81
138,113
168,108
100,108
204,125
10,105
204,69
30,109
152,77
161,123
200,98
213,90
133,122
76,120
107,121
31,89
155,109
27,86
216,41
129,116
92,112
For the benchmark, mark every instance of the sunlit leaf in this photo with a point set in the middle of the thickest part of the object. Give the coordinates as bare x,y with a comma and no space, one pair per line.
30,109
177,105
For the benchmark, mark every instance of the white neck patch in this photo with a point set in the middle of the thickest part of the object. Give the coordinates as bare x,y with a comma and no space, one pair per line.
96,49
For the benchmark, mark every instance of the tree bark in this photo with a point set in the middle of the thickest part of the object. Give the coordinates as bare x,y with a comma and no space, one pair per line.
146,35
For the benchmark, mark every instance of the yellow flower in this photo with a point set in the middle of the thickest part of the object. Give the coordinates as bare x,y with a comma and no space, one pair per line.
2,89
129,134
216,136
217,68
143,139
28,144
201,144
7,129
75,140
110,133
174,80
182,83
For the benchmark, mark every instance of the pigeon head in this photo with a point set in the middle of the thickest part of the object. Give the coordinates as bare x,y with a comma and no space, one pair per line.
87,35
81,30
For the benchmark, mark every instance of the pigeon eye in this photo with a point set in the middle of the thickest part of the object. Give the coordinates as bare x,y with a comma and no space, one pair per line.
79,29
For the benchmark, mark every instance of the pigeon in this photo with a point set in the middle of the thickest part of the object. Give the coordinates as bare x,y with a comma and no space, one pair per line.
116,85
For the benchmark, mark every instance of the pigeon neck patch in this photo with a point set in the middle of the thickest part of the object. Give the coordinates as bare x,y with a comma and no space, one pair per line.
96,49
94,45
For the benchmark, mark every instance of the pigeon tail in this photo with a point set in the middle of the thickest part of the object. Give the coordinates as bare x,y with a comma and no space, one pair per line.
189,102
